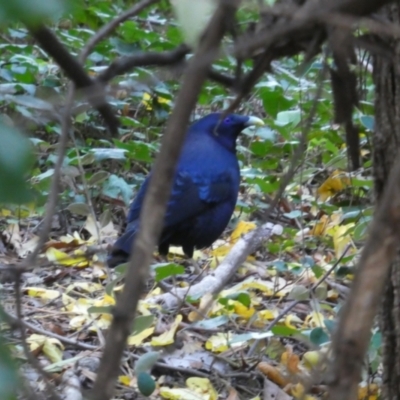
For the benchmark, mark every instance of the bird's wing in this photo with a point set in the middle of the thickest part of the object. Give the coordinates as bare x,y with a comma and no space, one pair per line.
190,195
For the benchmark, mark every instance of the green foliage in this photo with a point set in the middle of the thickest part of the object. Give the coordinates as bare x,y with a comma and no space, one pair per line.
15,162
32,87
33,11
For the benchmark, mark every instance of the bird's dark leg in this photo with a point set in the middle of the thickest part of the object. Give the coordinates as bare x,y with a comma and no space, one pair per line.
189,250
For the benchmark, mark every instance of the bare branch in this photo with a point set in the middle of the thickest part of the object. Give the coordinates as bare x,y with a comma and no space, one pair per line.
75,71
55,182
303,23
126,64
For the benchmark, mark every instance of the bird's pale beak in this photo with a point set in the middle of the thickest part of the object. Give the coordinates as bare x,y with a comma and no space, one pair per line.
254,121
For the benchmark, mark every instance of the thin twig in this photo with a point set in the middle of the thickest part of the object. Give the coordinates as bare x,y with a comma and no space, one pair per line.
12,320
30,262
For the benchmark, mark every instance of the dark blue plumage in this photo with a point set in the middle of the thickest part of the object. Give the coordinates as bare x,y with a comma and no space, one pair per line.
204,191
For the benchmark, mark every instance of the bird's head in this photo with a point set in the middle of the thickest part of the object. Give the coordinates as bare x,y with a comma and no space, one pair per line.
225,130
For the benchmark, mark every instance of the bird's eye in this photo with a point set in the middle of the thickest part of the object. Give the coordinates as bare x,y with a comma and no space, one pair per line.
227,120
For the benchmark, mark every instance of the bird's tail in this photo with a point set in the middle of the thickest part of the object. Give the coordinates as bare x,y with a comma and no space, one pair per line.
117,257
122,247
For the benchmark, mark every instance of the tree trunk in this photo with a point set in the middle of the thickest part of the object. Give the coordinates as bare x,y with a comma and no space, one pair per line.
386,146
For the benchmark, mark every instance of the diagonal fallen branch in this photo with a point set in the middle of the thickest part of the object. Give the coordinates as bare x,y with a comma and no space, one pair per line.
217,280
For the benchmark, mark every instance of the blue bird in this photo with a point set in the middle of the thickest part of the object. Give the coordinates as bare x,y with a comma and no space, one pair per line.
204,192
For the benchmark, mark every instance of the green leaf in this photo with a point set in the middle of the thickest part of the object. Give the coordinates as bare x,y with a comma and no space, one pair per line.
284,331
100,309
165,270
293,214
242,297
98,177
318,336
274,100
146,384
211,323
193,17
108,154
116,187
9,374
299,293
292,117
141,323
376,341
32,11
330,325
79,209
368,121
15,162
146,361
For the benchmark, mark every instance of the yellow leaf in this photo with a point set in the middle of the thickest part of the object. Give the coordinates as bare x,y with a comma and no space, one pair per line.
341,239
51,347
326,222
45,294
337,182
206,303
59,257
219,342
242,310
203,386
167,337
297,391
368,392
124,380
242,228
290,319
320,226
311,359
138,339
89,287
266,287
221,251
272,373
73,239
78,321
314,320
146,101
291,361
53,350
180,394
264,316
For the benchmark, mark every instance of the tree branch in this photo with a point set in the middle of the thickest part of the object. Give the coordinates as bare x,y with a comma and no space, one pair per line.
142,59
75,71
